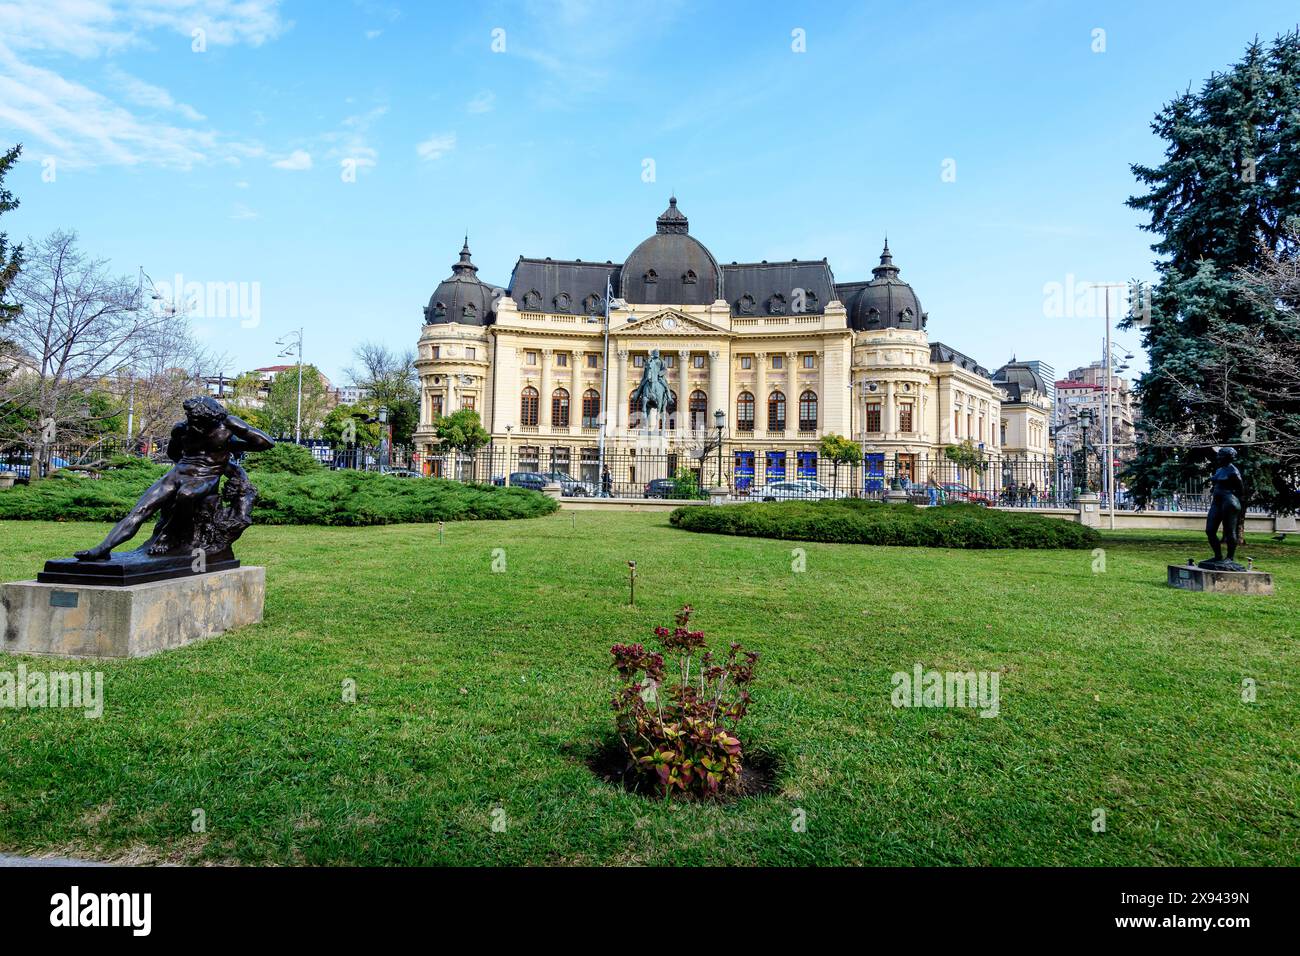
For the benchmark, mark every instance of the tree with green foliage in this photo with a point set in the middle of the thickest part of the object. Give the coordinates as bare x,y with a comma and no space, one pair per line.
11,261
1220,203
280,410
391,380
461,431
351,425
840,451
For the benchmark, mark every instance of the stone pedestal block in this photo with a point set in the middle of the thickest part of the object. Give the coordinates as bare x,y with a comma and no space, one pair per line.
77,620
1190,578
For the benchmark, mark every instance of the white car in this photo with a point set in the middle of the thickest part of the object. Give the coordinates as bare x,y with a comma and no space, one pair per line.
804,489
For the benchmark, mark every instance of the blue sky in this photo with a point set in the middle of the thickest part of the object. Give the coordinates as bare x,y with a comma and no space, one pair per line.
228,164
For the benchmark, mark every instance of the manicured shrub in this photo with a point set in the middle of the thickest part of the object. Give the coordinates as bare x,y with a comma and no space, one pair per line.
678,726
859,521
320,496
285,457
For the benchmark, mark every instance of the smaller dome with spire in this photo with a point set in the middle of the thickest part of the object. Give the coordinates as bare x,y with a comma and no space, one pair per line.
886,302
463,297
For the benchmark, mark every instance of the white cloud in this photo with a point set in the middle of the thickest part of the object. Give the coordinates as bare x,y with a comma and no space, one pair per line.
84,127
482,102
373,34
436,146
242,213
296,161
140,93
87,28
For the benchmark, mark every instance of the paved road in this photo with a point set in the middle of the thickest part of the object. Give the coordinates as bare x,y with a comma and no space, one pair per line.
43,861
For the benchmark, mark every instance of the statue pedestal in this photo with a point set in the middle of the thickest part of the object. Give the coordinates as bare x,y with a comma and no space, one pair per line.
136,620
651,447
1186,577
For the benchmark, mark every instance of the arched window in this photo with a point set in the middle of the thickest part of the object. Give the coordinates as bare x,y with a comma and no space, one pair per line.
590,408
528,406
560,408
776,411
808,411
699,409
745,412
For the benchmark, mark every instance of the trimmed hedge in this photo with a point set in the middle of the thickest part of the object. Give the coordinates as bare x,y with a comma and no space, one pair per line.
320,496
856,521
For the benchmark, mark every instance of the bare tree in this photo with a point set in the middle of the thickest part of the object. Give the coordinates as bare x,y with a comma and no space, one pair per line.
80,327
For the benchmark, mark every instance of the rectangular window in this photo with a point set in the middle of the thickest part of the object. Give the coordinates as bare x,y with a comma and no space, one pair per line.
529,456
437,351
697,361
873,416
810,361
471,352
638,361
560,460
670,361
467,401
593,360
530,358
562,359
746,362
435,402
778,361
905,417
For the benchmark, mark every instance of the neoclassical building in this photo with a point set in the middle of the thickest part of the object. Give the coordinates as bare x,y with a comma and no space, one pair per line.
788,353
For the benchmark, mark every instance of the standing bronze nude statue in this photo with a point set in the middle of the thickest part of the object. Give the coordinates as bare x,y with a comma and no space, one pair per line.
198,517
1225,510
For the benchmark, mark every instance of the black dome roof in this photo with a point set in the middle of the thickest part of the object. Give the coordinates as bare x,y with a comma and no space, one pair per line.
672,267
886,302
463,298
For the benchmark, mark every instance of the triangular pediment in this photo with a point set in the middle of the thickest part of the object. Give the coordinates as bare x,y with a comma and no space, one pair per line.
668,322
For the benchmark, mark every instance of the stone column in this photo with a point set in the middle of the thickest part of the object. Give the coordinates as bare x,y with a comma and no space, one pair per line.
760,400
792,392
615,404
544,403
717,390
684,393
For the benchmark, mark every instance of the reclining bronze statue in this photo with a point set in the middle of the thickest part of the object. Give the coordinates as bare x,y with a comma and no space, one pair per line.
199,517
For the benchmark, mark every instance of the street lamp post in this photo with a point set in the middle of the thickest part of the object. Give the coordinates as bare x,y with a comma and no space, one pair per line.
610,303
384,446
295,339
1085,419
720,421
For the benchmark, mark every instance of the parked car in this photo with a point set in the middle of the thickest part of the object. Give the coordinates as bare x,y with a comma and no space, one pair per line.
532,480
660,488
803,489
957,491
571,486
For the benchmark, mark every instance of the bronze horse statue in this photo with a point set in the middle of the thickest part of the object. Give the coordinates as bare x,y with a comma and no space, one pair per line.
653,392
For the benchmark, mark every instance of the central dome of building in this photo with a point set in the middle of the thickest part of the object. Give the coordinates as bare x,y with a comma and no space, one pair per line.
672,267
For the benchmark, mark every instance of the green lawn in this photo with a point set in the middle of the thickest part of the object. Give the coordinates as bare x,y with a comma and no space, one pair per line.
481,690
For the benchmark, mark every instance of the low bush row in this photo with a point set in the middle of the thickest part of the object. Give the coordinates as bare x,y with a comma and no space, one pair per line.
856,521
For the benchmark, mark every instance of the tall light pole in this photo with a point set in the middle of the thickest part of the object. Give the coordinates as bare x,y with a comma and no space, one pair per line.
610,303
720,421
295,339
1108,431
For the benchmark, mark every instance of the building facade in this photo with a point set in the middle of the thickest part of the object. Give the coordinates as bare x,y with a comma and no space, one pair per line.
786,352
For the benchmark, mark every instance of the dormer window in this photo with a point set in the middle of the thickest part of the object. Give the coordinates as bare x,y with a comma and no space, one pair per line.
873,317
688,277
470,312
532,299
776,304
651,277
746,304
439,310
810,301
562,302
593,304
905,317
